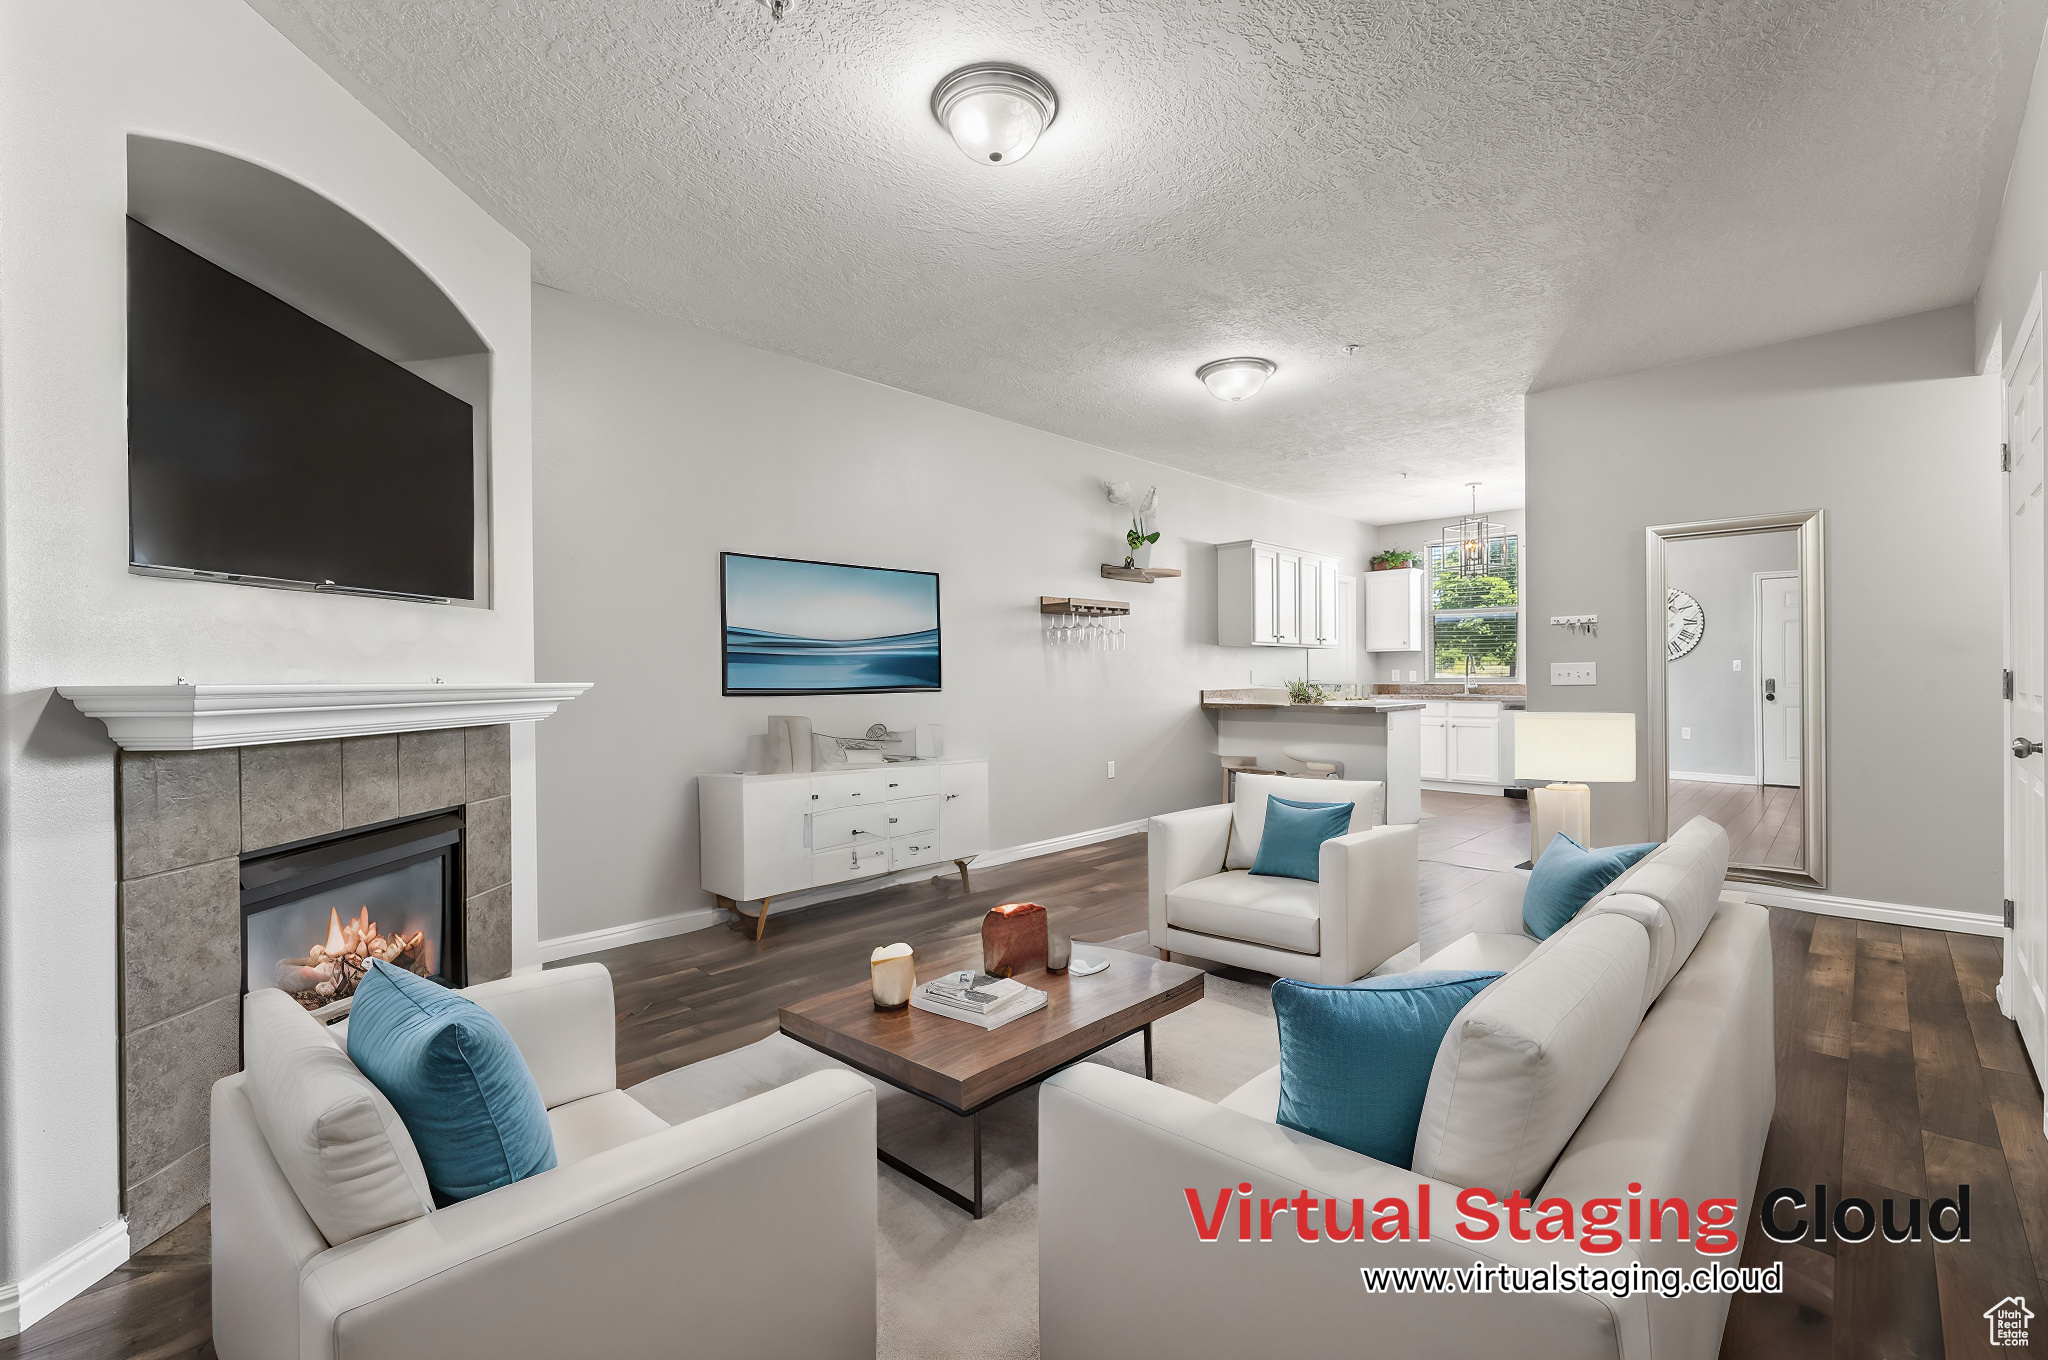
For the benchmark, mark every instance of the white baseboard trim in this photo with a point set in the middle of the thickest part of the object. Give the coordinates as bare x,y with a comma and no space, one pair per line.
44,1291
612,937
1695,777
1445,786
1889,913
633,932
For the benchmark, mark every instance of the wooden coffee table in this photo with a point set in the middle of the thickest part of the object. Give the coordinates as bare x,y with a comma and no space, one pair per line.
963,1068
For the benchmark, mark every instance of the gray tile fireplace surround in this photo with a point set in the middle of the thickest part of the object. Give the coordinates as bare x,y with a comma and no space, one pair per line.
186,818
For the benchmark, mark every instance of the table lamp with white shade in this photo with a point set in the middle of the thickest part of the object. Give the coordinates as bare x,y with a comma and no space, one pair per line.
1572,750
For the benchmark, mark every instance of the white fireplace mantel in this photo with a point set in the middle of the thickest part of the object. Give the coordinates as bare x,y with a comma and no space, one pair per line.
206,717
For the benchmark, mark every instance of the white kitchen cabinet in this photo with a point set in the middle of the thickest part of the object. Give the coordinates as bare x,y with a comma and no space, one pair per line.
1473,746
764,835
1393,610
1436,761
1270,596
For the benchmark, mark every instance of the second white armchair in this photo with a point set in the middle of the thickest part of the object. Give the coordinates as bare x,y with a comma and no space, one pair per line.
1204,900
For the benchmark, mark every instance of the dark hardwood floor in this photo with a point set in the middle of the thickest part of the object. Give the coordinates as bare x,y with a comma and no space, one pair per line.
1765,822
1896,1075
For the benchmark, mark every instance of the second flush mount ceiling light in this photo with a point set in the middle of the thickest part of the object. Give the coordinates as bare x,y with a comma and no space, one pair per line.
1235,379
994,111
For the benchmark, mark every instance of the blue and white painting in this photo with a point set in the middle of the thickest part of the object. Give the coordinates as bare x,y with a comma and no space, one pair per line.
820,628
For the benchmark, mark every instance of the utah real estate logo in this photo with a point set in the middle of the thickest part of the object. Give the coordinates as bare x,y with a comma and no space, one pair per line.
2008,1318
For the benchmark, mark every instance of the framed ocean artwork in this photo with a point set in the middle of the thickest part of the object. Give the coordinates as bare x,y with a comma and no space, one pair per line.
797,627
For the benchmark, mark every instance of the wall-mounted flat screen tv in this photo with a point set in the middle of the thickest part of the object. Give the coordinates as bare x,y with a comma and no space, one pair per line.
264,446
795,627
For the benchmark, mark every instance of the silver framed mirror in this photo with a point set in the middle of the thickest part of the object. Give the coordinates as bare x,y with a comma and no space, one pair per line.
1724,594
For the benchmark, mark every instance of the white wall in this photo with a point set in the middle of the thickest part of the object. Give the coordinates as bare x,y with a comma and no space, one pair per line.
1710,705
658,446
1415,537
1885,427
74,81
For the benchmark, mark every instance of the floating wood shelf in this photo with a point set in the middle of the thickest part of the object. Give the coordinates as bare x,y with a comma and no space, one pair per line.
1145,574
1062,604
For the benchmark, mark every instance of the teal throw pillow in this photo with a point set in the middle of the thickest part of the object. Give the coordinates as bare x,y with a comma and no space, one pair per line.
456,1079
1567,877
1292,843
1355,1060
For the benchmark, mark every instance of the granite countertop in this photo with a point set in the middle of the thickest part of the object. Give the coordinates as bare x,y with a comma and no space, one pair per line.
1277,699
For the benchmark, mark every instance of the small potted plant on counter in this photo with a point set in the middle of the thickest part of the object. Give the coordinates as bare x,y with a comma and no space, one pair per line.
1393,559
1302,692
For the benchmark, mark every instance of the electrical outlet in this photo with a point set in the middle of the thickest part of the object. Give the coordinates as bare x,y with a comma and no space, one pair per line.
1572,673
1685,734
1112,769
1738,663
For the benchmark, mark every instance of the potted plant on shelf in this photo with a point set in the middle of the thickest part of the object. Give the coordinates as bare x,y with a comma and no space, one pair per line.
1393,559
1137,541
1140,544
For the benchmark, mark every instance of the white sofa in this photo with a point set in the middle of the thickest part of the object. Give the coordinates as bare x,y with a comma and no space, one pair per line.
1204,901
1684,1112
747,1232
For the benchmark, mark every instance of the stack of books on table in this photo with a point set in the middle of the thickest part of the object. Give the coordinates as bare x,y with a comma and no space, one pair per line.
989,1002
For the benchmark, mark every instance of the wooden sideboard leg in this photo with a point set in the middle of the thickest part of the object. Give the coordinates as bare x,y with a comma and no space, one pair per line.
761,921
961,864
1166,954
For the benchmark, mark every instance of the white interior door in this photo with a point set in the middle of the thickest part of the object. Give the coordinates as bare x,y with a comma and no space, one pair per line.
1778,685
2026,833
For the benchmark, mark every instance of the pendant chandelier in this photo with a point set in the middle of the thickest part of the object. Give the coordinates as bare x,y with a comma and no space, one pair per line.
1475,545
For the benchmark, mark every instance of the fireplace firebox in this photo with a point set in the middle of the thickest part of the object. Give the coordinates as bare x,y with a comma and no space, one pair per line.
316,913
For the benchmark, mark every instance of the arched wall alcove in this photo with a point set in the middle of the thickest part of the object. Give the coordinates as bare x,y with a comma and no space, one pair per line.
302,247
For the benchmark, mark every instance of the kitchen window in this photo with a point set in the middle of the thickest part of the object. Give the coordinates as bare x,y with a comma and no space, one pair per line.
1475,621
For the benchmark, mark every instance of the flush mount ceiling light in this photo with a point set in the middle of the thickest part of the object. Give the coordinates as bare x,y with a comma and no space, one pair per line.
995,112
1235,379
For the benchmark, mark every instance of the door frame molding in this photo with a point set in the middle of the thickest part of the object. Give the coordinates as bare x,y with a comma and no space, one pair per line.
1813,875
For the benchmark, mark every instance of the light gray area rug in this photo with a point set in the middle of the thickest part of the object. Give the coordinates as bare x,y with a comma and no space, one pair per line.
948,1286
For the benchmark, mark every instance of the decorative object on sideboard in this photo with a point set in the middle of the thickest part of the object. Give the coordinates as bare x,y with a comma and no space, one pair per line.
1059,951
893,972
1013,936
1393,559
1475,545
789,745
799,627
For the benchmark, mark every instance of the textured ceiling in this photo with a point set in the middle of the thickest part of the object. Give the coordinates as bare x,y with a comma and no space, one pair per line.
1483,197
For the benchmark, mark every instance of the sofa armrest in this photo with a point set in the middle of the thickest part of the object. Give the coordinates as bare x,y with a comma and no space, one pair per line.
1181,847
1122,1271
1370,899
747,1232
565,1025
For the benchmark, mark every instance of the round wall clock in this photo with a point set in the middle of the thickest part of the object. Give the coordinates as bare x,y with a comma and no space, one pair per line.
1685,623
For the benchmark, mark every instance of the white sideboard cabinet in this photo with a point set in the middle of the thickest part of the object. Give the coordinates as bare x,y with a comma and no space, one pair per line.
766,835
1269,596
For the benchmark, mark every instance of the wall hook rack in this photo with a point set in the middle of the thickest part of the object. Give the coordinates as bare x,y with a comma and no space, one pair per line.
1583,625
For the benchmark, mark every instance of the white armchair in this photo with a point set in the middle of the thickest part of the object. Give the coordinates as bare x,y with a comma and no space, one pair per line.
1204,901
646,1240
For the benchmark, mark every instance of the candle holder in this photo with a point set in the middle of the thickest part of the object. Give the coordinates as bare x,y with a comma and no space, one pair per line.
893,973
1013,937
1058,950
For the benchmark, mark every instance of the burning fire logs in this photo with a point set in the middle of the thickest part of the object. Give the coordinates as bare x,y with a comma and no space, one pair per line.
330,970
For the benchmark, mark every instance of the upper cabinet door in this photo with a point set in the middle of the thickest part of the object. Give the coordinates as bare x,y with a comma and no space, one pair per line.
1325,632
1265,597
1393,610
1287,599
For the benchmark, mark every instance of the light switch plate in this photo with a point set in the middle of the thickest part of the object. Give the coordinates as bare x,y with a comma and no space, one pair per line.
1572,673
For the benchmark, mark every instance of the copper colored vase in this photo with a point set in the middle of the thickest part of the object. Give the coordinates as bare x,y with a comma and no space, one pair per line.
1013,938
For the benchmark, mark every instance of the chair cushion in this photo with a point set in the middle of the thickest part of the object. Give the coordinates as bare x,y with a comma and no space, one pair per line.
1248,808
1259,1097
599,1123
1481,951
1285,913
338,1141
1355,1060
1522,1065
1291,842
1684,877
1567,877
457,1080
685,1093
